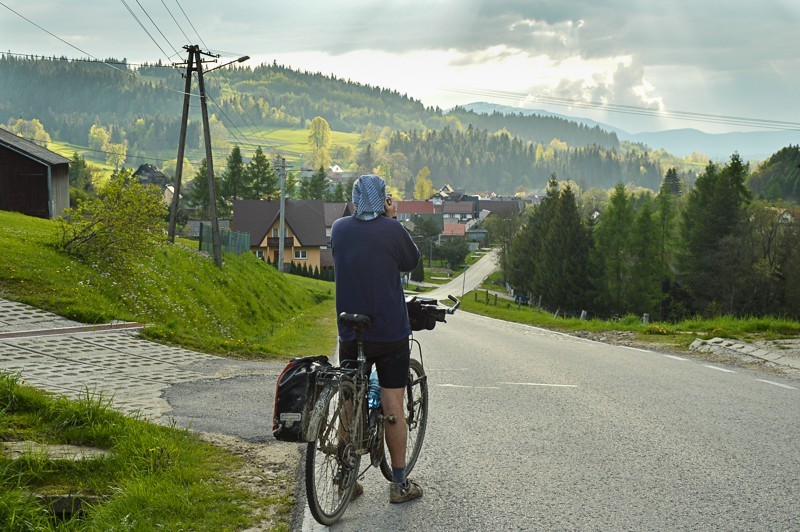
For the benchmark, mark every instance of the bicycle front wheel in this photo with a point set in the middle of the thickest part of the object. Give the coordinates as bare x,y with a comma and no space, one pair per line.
332,459
416,418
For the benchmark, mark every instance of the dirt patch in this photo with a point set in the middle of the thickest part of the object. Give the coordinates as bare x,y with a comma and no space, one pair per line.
269,471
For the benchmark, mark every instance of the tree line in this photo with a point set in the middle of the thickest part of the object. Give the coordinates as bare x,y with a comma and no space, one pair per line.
475,159
712,250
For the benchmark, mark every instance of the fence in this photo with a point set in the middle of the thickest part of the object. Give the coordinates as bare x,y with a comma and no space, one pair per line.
234,242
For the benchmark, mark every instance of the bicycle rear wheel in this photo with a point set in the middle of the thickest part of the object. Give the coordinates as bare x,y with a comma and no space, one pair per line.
416,418
331,459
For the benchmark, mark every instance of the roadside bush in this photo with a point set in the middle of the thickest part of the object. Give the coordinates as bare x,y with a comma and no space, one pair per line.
123,223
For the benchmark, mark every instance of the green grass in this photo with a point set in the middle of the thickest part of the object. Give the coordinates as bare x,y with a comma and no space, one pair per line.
246,309
156,477
673,335
153,477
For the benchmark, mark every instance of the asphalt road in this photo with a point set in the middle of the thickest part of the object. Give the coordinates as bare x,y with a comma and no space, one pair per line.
533,430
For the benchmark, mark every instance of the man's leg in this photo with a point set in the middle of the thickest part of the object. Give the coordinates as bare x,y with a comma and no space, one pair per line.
402,489
397,432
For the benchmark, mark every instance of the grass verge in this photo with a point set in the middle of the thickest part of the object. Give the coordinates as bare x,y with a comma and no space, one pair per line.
670,335
150,477
245,309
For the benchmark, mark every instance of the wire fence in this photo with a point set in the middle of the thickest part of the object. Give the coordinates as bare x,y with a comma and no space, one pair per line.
234,242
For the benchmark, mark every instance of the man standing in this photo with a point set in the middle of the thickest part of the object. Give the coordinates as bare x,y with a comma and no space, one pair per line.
370,251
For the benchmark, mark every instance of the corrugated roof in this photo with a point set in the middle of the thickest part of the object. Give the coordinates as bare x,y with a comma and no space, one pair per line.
305,218
30,149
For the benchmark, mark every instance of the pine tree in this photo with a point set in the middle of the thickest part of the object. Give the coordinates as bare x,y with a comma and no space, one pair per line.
525,272
261,175
198,190
234,183
714,210
672,183
565,276
644,293
611,239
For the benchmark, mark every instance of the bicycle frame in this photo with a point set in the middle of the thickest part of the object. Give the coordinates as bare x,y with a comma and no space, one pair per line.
341,427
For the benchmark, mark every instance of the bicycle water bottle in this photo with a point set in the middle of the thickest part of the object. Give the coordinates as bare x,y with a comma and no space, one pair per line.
374,390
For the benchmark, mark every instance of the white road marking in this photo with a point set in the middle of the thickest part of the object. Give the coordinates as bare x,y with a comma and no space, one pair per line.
719,369
677,358
470,387
778,384
637,349
540,384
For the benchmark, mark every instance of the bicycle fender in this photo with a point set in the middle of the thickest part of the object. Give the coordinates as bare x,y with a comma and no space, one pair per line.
317,412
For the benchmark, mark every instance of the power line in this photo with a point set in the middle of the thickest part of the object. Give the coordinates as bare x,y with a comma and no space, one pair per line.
143,28
192,25
634,110
52,34
176,21
159,29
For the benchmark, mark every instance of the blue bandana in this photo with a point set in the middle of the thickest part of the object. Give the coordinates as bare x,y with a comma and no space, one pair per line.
369,197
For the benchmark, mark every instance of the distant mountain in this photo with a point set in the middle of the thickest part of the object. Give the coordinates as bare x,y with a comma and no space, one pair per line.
757,145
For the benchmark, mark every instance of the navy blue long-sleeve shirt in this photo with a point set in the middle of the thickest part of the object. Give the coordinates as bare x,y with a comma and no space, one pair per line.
368,257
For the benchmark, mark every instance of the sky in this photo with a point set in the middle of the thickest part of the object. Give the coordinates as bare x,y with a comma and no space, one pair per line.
639,65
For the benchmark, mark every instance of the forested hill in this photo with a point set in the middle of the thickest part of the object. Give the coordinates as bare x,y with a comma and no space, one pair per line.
778,178
69,96
540,130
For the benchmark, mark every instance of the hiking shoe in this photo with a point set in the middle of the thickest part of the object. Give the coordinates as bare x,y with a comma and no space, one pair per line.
398,493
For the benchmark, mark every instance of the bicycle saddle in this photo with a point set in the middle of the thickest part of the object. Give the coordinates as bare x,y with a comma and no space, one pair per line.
357,322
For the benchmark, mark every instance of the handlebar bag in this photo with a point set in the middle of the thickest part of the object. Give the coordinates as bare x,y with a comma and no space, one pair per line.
294,398
423,316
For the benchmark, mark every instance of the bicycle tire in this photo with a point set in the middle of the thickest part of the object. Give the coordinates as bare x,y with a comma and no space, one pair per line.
331,459
416,418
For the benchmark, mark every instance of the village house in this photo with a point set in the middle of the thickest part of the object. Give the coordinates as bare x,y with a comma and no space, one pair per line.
305,239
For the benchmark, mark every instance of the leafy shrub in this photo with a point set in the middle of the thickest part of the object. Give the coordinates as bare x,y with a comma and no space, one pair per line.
124,222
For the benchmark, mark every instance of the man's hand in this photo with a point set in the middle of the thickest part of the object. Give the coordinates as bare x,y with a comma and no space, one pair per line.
390,209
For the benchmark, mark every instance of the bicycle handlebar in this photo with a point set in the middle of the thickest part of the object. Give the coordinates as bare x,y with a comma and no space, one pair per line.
452,310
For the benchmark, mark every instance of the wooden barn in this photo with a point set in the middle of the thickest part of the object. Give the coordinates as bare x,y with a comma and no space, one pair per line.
33,180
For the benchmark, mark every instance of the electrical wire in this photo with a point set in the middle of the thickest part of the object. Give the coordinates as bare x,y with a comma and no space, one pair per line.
634,110
143,28
159,29
192,25
176,21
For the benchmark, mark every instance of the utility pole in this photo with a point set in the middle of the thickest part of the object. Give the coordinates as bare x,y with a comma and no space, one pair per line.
173,213
195,63
280,164
212,188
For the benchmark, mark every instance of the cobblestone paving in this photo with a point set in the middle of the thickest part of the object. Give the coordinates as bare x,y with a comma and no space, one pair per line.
129,372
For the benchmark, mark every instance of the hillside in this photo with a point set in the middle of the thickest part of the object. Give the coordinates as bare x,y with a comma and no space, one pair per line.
245,309
778,178
484,149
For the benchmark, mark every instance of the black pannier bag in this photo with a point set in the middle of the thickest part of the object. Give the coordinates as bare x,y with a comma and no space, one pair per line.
294,398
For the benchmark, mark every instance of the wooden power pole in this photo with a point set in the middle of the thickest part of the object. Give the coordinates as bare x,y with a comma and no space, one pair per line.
195,63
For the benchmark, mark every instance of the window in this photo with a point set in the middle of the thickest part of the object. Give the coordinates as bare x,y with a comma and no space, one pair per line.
300,254
276,232
260,254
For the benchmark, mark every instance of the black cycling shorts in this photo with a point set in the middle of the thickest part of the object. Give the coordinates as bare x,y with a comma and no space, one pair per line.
390,359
